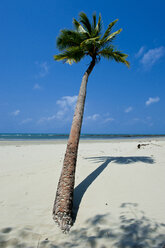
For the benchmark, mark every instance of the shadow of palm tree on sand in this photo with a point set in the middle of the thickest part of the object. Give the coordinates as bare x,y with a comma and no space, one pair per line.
80,190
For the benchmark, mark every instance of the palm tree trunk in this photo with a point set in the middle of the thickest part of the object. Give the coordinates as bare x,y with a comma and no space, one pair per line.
62,209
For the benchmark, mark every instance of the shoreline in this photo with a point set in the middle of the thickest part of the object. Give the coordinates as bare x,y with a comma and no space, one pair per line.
64,141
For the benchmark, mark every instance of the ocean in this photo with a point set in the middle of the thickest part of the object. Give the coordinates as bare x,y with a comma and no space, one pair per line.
54,136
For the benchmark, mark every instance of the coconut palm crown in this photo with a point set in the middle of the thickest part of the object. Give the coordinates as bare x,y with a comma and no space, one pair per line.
87,40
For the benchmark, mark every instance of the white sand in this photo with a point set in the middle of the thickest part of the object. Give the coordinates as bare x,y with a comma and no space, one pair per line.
120,193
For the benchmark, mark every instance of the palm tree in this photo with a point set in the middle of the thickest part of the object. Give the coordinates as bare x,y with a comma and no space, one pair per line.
85,40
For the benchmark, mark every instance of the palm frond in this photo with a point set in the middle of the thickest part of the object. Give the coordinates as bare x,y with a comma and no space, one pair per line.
111,37
78,26
106,52
109,29
91,46
121,57
85,22
110,53
98,26
69,38
89,41
70,55
94,21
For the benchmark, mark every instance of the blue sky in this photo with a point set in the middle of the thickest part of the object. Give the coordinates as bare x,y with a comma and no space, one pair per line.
38,94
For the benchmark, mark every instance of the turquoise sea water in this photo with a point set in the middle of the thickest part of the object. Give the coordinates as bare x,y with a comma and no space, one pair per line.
53,136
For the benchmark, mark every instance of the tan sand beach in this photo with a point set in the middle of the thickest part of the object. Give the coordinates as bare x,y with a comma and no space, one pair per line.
119,194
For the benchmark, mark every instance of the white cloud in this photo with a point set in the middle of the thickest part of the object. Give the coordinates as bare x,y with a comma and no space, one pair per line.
152,56
140,52
60,114
147,121
42,119
152,100
104,118
44,69
93,117
136,119
66,105
67,101
37,87
26,121
109,119
129,109
16,112
49,118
